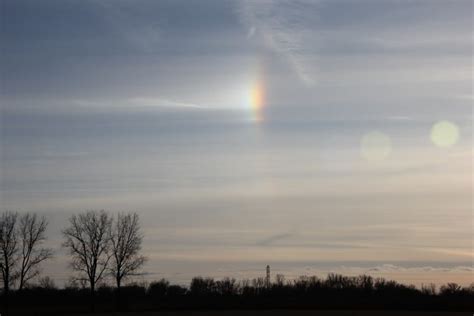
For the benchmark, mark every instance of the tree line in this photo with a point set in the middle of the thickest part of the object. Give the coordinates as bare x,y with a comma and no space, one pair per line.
21,240
306,292
105,247
99,245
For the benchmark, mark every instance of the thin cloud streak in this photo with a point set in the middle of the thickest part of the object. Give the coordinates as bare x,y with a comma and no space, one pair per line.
136,102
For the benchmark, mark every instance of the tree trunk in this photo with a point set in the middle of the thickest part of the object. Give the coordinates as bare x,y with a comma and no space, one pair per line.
118,296
22,276
6,288
6,280
21,285
119,281
92,297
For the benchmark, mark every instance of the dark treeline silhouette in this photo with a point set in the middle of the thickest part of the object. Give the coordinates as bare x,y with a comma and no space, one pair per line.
333,292
105,250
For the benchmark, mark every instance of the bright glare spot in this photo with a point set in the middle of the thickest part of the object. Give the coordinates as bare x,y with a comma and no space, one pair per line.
444,134
375,146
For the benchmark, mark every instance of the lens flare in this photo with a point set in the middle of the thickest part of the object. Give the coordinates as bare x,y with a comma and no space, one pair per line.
444,134
375,146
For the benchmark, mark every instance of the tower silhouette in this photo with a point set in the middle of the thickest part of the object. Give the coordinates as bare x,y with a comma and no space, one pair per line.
267,278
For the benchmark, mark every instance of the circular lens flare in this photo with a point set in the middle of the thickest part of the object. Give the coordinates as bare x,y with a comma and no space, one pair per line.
444,134
375,146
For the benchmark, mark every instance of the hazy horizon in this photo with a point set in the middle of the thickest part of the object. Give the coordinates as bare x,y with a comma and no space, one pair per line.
313,136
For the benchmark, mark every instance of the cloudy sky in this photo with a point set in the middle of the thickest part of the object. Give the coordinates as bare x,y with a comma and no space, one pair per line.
310,135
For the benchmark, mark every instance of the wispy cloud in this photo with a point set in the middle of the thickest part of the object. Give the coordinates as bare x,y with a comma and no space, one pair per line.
391,268
287,28
274,238
141,101
122,17
135,102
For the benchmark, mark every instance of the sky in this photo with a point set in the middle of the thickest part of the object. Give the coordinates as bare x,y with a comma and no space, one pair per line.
313,136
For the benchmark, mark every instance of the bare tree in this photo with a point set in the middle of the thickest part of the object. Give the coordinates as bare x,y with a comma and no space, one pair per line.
126,245
8,248
31,231
88,241
47,283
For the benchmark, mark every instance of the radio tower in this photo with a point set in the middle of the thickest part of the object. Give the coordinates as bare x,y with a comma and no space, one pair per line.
267,278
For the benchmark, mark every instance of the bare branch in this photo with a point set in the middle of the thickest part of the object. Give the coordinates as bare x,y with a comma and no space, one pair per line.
88,240
32,235
126,242
8,248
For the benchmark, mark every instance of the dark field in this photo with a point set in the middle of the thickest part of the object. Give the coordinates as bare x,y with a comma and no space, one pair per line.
290,313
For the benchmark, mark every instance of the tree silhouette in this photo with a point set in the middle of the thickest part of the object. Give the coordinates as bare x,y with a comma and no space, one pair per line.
126,241
88,242
8,248
31,233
